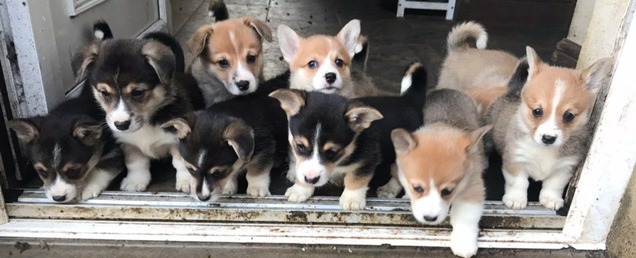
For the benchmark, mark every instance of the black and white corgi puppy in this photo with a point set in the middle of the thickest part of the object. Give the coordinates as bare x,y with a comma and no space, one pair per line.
244,133
136,82
71,150
334,139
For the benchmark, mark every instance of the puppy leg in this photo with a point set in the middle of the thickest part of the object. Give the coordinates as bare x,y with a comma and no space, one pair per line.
552,189
258,180
354,196
299,192
291,173
393,187
464,217
138,165
97,181
516,187
183,180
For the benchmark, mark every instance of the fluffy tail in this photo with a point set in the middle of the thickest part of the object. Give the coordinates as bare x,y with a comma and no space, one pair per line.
218,10
359,60
461,33
414,85
171,42
101,30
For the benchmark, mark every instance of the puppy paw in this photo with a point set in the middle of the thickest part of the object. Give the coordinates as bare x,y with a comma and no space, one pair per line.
258,191
551,200
136,181
230,187
353,199
298,193
91,191
388,191
463,244
182,183
515,199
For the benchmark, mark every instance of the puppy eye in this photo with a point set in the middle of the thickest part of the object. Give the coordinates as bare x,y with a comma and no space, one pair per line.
302,149
330,154
418,189
42,173
568,117
537,112
223,63
105,94
137,94
217,174
73,173
312,64
446,192
339,62
250,59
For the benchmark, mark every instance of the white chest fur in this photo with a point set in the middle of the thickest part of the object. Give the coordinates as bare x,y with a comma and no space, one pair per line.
153,141
541,162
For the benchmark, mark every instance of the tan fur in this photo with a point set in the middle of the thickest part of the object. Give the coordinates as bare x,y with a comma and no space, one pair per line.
354,182
485,96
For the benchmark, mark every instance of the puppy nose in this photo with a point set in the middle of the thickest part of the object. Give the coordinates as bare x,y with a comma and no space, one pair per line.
123,125
548,139
330,77
59,198
203,198
312,180
430,218
243,85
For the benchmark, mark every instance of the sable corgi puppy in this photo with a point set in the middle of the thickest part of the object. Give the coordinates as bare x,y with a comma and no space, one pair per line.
479,72
324,63
440,165
72,152
136,83
228,57
347,143
246,132
542,128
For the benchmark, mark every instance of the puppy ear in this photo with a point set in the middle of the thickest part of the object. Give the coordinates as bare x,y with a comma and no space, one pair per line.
594,76
260,27
88,133
196,43
349,35
179,126
241,137
534,62
360,116
83,60
519,78
403,141
288,41
475,137
290,100
26,130
161,58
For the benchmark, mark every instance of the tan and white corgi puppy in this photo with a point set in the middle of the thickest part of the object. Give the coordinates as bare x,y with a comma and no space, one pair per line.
325,63
228,57
542,128
479,72
440,167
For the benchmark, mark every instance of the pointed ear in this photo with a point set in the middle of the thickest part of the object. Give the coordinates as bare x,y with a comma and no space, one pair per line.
349,35
87,132
403,141
594,76
26,130
288,41
534,62
360,116
196,42
241,137
475,137
161,58
290,100
83,60
260,27
519,78
179,126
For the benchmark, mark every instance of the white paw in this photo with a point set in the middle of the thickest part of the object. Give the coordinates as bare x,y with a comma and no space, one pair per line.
230,187
388,191
353,199
515,199
463,243
136,181
91,191
551,200
298,193
183,180
258,191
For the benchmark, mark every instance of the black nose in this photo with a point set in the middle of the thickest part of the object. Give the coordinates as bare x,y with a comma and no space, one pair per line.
430,218
59,198
243,85
122,125
312,180
547,139
330,77
203,198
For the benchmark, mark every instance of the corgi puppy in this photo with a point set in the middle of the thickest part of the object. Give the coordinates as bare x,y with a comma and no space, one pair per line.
347,143
479,72
440,167
244,133
325,63
72,152
228,57
542,128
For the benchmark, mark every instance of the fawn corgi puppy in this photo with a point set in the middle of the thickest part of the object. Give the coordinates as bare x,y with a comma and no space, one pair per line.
335,139
228,57
479,72
440,167
325,63
247,132
542,128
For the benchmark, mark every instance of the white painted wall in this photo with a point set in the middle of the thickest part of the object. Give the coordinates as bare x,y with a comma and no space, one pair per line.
580,20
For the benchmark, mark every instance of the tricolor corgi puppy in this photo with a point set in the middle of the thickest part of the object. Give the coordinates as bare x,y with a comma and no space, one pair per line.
440,167
542,128
479,72
335,139
71,150
244,133
325,63
228,57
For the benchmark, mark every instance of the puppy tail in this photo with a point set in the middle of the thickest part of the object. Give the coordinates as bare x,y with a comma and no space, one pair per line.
173,44
359,60
460,34
102,31
218,10
414,84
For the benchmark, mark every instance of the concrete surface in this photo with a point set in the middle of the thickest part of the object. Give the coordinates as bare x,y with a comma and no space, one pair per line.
621,241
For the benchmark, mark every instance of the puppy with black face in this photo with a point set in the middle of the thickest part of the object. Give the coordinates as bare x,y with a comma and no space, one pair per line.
244,133
72,152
